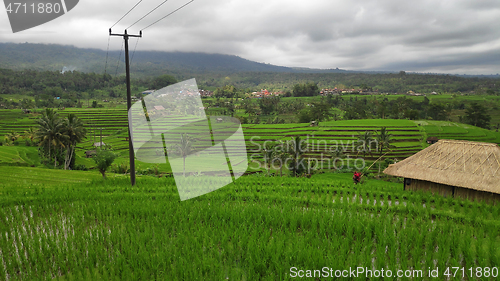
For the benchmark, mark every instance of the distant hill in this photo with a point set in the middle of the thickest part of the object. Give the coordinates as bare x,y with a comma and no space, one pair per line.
152,63
144,63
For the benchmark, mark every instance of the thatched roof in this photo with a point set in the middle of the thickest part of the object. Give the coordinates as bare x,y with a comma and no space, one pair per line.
468,164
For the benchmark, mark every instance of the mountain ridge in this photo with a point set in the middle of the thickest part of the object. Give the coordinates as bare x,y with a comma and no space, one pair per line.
55,57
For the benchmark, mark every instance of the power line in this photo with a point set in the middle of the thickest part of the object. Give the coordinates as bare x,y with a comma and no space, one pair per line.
148,13
169,14
133,53
107,52
126,13
118,63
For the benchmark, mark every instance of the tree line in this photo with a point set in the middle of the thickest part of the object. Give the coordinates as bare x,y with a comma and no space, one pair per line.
350,107
381,82
57,89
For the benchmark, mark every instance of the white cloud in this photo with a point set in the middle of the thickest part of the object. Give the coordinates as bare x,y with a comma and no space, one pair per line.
421,35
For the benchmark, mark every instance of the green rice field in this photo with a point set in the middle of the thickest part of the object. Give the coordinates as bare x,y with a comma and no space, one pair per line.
75,225
258,228
408,136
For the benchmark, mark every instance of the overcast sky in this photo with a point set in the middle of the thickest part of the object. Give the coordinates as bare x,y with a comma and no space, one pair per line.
447,36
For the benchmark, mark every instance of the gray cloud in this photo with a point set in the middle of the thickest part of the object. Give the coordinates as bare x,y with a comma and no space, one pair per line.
441,36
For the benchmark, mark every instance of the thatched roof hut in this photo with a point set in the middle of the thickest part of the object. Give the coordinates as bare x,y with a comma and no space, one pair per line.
469,169
90,153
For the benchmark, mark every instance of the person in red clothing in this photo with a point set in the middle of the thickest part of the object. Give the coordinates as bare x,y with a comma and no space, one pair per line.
357,177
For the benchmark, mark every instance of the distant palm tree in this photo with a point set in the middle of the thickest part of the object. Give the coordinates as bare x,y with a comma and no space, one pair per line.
75,132
184,148
365,141
336,155
384,140
30,134
12,136
267,154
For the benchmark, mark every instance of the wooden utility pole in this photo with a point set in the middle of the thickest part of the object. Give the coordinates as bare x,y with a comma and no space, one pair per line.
129,102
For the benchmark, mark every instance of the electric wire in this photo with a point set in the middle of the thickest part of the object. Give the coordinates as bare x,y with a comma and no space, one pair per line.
147,14
119,56
169,14
133,53
154,9
126,13
107,52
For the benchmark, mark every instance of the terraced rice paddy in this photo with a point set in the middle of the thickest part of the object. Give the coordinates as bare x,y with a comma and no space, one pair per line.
409,136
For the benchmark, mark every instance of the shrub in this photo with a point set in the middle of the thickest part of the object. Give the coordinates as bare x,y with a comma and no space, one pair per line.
80,167
103,159
120,169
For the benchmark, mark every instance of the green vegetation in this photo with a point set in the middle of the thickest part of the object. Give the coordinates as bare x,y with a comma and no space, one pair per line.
57,137
76,225
407,138
257,228
22,177
29,89
476,115
305,90
103,160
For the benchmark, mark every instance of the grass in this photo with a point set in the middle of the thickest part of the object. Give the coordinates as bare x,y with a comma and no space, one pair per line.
257,228
37,176
458,131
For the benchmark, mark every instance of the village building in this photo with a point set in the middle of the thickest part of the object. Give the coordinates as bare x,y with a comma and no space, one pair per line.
205,93
98,144
90,153
456,168
147,92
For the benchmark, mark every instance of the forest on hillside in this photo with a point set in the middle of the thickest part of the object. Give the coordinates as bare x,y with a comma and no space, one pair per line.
382,82
33,82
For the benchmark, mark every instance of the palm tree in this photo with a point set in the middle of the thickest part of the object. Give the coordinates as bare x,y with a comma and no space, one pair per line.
384,140
50,132
75,132
281,153
337,155
184,148
12,136
365,140
30,134
298,147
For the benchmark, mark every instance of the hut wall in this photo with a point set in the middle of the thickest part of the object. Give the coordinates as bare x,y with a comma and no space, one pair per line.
435,188
447,191
476,195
